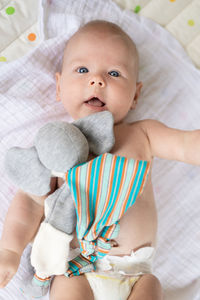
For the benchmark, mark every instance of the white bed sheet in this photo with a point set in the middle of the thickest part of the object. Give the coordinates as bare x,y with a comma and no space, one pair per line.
171,94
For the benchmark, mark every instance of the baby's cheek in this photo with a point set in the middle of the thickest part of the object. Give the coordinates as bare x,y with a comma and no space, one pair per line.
121,113
66,102
118,116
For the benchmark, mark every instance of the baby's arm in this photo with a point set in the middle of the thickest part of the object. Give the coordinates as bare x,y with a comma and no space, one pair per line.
21,224
174,144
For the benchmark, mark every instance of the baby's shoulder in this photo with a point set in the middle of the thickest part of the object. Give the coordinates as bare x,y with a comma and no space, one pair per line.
132,139
137,130
144,127
139,127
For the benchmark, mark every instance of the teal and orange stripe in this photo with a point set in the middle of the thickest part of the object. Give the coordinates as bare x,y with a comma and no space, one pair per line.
114,184
97,209
110,210
108,193
131,181
119,190
42,282
42,279
98,183
133,189
87,173
144,177
110,231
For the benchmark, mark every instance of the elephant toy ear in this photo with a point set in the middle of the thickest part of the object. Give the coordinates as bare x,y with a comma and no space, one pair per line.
26,171
60,146
98,129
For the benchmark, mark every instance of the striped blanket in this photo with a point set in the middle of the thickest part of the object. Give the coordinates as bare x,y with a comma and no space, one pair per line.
103,189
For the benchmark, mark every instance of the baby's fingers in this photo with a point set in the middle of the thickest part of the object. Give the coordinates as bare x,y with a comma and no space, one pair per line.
5,278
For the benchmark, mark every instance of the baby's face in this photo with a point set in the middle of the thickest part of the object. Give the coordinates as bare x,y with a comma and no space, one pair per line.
98,74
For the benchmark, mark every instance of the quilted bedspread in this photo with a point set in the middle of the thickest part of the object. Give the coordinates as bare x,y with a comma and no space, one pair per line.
20,31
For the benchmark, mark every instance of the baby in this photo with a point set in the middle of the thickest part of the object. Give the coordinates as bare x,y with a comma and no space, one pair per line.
100,72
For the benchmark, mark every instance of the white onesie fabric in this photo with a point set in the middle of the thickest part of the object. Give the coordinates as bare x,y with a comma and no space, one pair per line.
116,275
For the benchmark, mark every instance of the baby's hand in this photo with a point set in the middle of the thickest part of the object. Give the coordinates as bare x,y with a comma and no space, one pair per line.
9,262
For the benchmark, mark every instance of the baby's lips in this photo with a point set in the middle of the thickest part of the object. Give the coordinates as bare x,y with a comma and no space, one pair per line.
95,101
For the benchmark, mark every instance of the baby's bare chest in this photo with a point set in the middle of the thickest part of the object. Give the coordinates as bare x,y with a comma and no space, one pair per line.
131,142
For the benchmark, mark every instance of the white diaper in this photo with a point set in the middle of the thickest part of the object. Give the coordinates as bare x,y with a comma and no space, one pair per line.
116,275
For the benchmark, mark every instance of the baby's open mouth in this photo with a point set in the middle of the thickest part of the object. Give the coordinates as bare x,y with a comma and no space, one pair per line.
94,101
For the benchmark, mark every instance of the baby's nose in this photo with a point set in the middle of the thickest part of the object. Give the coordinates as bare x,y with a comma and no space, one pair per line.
97,81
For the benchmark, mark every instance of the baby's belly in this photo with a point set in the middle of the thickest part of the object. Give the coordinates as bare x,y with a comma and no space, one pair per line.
138,227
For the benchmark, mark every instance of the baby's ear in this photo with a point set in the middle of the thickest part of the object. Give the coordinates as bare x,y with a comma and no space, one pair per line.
57,86
98,129
139,86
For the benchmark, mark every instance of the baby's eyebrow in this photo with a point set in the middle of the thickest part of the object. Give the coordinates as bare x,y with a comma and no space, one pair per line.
112,65
77,62
119,66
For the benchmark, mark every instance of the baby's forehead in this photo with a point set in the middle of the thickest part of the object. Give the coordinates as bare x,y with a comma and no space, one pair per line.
101,33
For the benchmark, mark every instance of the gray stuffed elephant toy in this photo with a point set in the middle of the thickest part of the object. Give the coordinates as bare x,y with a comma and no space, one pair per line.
58,146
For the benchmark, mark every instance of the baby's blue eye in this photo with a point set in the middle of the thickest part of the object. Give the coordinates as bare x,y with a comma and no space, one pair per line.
114,73
82,70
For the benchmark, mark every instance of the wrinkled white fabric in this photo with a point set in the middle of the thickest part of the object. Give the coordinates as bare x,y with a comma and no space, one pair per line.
171,94
137,263
116,275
